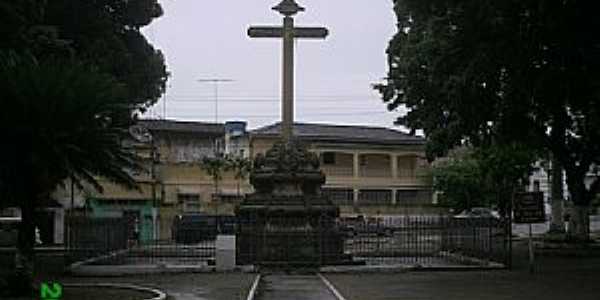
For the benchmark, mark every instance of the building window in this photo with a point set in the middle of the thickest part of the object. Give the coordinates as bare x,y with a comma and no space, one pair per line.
375,197
340,196
329,158
218,146
413,197
406,166
189,202
536,185
228,198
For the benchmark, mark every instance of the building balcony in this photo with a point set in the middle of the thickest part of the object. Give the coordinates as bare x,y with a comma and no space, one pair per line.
363,169
371,172
338,171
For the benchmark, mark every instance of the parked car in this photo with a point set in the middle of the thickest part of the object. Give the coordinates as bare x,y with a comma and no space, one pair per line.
479,216
195,227
9,227
354,226
478,212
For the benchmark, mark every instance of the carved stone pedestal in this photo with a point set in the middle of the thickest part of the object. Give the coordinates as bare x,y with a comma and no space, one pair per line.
287,221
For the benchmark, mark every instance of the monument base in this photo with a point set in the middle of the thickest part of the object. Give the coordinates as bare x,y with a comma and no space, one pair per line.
296,237
287,221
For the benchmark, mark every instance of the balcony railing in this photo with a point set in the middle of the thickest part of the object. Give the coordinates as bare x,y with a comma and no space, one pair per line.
338,171
375,172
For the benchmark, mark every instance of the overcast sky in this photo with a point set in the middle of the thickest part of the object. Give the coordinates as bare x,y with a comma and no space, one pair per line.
207,39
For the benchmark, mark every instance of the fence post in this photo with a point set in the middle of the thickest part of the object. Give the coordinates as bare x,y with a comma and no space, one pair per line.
225,256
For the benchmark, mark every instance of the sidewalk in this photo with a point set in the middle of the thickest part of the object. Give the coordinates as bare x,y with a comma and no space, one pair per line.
555,278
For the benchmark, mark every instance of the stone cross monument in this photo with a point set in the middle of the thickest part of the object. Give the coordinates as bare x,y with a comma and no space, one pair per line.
287,221
288,8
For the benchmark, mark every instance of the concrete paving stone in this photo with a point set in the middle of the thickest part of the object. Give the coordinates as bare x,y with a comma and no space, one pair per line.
293,287
554,278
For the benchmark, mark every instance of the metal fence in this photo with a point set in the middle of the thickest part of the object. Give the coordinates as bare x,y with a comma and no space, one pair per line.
163,252
95,237
290,241
107,241
427,240
415,240
310,241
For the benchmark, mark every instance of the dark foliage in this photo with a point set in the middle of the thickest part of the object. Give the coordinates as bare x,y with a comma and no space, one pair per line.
501,72
105,33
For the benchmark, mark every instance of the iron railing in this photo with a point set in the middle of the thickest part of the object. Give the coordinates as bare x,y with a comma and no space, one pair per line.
308,241
163,252
426,240
94,237
415,240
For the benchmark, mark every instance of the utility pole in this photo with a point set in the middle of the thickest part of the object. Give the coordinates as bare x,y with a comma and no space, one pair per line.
216,82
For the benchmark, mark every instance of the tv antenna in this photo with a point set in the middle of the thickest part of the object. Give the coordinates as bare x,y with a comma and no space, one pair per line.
216,82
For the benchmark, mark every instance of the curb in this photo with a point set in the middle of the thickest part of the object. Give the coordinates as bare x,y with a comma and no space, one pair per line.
471,262
331,288
254,288
367,269
97,258
458,268
148,269
391,269
159,295
111,271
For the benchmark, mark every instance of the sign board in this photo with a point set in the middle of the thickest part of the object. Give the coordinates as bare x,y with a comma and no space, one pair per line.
528,207
277,32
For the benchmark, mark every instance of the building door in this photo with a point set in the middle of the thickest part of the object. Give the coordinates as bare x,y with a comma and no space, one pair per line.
132,217
45,225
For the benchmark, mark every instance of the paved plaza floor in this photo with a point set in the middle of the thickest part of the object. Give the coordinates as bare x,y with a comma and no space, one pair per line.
555,278
293,287
199,286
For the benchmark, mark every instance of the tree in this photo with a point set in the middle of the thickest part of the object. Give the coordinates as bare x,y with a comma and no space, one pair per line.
62,119
107,34
502,72
104,33
557,224
241,167
73,74
461,184
483,177
214,167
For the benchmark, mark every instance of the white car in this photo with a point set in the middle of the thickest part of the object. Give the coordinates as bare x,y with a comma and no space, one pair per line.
478,212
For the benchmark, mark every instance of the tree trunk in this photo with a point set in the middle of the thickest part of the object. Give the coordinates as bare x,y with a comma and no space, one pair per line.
22,283
579,224
557,223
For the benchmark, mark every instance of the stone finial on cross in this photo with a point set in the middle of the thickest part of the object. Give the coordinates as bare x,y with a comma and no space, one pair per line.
288,8
288,33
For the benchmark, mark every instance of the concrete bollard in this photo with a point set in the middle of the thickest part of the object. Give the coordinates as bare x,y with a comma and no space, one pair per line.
225,250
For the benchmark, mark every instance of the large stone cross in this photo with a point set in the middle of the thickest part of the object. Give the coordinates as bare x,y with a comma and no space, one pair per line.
288,8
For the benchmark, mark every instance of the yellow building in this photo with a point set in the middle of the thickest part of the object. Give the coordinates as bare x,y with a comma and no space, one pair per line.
172,183
369,170
183,187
